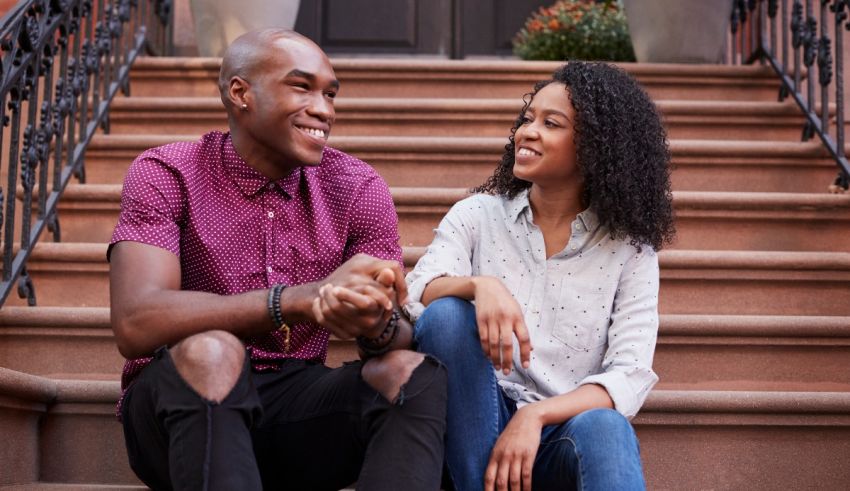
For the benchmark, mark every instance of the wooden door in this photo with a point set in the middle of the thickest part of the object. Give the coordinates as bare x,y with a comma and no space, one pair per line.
446,28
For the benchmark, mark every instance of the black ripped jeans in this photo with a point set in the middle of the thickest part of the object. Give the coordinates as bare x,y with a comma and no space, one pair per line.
305,427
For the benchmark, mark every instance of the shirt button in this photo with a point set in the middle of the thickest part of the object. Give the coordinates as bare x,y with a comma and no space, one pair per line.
271,185
271,214
269,269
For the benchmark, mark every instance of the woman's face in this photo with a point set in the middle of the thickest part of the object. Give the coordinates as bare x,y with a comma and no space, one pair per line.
545,149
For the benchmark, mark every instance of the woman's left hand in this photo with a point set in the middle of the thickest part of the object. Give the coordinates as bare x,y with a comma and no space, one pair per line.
512,459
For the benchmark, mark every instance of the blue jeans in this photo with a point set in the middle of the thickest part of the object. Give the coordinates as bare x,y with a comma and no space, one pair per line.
596,449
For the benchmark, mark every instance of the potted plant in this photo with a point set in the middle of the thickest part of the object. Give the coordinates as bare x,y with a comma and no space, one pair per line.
576,30
219,22
678,31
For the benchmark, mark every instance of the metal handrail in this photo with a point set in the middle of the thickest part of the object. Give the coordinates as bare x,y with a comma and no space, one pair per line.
62,63
756,26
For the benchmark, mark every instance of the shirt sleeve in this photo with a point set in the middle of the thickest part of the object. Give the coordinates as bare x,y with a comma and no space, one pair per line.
374,223
150,205
450,254
627,366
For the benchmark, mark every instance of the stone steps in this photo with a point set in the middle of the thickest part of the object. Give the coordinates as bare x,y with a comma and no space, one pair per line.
699,165
709,439
692,281
705,220
363,116
488,79
754,343
712,352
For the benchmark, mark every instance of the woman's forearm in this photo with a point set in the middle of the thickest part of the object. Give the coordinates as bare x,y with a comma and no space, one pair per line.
450,286
558,409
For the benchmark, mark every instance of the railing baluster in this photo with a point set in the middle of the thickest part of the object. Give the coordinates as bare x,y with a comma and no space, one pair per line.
59,76
797,40
840,19
807,45
785,28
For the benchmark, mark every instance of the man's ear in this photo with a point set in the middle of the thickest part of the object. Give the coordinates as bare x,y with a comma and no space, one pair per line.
237,91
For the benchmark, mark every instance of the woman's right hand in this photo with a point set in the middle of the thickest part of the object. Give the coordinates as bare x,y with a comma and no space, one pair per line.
499,319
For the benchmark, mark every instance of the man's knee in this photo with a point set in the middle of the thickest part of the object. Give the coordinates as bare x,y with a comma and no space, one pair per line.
210,362
391,372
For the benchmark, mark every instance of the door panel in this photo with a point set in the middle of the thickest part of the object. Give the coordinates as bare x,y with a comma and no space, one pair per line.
377,26
455,28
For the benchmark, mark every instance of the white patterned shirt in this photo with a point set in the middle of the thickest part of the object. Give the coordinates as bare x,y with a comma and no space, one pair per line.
591,309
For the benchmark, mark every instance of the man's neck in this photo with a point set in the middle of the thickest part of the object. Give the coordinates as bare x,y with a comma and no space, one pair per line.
259,158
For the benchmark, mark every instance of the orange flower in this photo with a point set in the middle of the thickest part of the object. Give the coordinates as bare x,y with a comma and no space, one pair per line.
554,24
535,26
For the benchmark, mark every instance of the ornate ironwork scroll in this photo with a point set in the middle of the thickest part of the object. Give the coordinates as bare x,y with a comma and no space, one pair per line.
61,64
811,39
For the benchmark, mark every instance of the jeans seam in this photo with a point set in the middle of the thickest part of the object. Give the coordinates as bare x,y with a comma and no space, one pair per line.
580,473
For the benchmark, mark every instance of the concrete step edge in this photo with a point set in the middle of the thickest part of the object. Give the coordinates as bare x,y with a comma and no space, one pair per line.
69,318
462,67
128,105
443,196
759,260
669,259
428,144
682,401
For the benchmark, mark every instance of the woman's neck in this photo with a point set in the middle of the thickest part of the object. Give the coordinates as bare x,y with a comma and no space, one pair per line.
554,208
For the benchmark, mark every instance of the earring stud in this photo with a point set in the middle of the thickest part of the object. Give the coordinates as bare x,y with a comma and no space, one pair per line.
244,106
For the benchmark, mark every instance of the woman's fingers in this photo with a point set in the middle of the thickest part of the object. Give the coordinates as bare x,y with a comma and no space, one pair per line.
524,341
507,345
527,470
494,343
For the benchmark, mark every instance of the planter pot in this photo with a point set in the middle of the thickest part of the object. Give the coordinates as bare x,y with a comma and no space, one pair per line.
678,31
219,22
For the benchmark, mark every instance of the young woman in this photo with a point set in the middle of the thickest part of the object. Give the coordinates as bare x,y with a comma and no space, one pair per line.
558,253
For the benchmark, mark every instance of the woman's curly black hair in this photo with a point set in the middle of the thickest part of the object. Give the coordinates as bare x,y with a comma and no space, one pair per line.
621,150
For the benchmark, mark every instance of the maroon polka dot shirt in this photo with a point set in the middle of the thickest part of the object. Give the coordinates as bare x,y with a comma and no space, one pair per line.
235,230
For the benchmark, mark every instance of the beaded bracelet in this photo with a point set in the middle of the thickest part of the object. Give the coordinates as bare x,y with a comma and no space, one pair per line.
380,345
276,313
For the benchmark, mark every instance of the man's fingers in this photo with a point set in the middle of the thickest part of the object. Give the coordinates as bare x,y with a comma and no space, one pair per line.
399,283
524,343
317,311
362,298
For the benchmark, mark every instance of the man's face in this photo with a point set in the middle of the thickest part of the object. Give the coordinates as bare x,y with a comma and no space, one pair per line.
291,107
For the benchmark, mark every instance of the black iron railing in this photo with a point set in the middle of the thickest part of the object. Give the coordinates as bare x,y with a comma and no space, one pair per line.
797,38
62,63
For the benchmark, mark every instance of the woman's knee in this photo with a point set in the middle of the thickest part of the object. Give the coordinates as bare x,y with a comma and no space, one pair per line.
601,428
447,325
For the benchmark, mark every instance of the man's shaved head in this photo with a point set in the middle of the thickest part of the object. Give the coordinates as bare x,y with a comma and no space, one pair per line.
250,51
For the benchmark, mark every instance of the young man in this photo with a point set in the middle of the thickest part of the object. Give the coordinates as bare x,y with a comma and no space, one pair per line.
234,259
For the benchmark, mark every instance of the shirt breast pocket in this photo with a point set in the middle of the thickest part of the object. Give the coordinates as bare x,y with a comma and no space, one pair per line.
582,318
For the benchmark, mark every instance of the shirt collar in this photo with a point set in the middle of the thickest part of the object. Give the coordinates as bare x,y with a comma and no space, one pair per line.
249,180
519,205
588,219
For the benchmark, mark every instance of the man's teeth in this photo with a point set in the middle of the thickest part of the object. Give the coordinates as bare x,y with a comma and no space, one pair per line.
313,131
526,152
